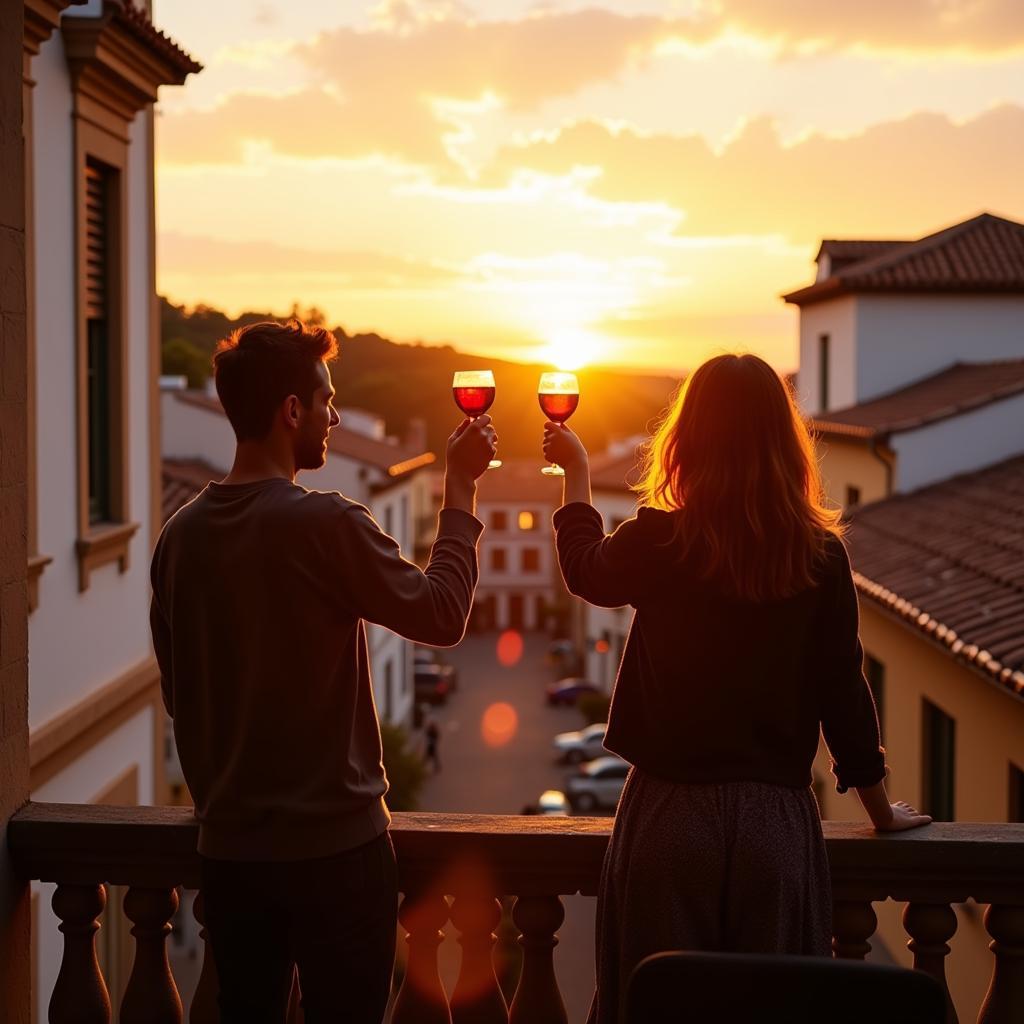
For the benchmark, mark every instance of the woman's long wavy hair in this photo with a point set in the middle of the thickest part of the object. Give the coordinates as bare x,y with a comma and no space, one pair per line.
734,452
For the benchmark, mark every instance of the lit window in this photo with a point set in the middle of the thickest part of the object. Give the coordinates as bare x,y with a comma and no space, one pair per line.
527,521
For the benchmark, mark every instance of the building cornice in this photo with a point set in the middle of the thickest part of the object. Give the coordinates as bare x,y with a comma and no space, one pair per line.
41,18
119,59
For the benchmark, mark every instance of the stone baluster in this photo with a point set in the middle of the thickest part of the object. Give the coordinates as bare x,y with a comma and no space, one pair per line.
151,996
477,999
204,1009
930,927
853,924
1004,1002
80,994
422,999
537,999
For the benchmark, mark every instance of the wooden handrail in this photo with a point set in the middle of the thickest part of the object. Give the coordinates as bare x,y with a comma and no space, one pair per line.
154,846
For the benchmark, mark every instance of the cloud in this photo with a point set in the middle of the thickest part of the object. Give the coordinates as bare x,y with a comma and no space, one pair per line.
903,176
211,257
917,25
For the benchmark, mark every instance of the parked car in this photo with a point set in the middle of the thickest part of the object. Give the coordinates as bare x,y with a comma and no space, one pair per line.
551,802
429,656
568,691
431,684
597,784
581,745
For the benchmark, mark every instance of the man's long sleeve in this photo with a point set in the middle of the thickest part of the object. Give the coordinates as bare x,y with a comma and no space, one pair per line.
430,605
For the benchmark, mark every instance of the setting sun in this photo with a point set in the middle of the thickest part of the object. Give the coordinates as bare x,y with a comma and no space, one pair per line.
573,348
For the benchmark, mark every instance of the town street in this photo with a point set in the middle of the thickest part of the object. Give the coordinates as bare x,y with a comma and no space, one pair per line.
503,774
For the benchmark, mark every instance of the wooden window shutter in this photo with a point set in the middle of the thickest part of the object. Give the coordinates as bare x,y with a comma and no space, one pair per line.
97,239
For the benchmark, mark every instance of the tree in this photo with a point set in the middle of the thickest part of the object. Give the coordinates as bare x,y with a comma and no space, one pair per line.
405,769
181,357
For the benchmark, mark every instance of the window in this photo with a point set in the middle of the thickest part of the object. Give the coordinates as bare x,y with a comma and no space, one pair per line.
528,520
875,672
499,520
531,560
389,521
938,768
498,559
100,193
823,371
852,496
1016,811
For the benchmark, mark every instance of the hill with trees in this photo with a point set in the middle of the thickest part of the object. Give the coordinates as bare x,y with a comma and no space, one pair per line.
401,382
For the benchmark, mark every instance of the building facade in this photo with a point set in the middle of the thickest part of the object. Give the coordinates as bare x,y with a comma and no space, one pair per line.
912,374
92,73
520,587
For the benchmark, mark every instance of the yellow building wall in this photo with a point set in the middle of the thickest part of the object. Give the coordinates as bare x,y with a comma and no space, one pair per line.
989,736
845,463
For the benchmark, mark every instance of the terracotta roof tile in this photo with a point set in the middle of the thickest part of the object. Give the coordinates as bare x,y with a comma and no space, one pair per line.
182,480
616,472
949,559
955,390
983,254
137,21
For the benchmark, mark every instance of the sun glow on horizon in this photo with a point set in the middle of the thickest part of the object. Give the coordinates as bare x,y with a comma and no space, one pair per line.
572,348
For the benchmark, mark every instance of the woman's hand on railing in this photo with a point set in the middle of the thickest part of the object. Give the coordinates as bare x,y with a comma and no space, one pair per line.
904,816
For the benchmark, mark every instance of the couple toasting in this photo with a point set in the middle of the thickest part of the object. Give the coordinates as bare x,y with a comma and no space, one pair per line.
743,648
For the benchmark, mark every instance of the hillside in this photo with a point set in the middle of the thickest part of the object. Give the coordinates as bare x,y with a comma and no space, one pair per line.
400,382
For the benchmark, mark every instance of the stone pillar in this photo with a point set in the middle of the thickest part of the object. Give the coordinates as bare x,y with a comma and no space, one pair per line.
15,939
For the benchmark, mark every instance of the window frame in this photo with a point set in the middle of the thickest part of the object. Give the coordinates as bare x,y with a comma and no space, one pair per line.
938,796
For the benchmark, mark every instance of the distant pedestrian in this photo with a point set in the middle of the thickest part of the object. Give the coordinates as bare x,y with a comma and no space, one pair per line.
745,643
433,735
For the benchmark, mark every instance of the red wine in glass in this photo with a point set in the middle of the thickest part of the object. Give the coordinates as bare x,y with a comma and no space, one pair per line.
558,408
558,394
473,401
473,391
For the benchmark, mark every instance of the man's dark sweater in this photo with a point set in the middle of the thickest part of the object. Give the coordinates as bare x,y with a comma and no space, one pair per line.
715,689
259,595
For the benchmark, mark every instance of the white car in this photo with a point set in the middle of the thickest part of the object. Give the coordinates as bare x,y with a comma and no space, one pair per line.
583,745
598,784
553,802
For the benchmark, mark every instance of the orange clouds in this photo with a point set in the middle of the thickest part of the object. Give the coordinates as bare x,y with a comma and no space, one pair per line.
919,25
923,171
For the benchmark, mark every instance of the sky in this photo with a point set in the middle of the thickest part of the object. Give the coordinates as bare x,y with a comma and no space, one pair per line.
623,183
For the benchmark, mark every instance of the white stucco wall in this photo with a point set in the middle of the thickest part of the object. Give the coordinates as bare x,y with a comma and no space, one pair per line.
192,432
902,338
960,444
838,319
103,631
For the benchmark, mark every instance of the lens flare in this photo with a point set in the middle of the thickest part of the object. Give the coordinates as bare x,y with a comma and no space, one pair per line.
499,725
510,648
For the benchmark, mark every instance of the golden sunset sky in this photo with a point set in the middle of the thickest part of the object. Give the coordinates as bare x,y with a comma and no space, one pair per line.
624,183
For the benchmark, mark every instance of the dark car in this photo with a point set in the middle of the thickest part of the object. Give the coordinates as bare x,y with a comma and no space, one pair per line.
428,656
568,691
431,683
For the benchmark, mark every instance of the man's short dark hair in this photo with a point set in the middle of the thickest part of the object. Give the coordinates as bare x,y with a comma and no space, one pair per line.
258,366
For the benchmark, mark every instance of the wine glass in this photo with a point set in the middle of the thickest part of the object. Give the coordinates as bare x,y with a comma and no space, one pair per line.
473,391
558,394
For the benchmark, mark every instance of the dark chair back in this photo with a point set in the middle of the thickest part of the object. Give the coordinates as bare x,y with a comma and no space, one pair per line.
733,988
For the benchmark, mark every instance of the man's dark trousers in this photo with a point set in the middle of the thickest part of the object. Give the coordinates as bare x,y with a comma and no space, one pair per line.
334,917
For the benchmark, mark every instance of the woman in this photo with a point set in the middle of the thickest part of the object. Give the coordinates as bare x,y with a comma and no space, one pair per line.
744,644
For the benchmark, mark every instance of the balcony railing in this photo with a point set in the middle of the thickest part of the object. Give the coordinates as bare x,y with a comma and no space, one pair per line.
473,860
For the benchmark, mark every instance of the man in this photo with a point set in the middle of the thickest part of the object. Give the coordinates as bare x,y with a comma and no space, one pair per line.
260,590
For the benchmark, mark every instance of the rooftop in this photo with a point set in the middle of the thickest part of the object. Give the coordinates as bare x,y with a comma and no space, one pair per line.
983,254
394,459
949,560
957,389
519,480
182,480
